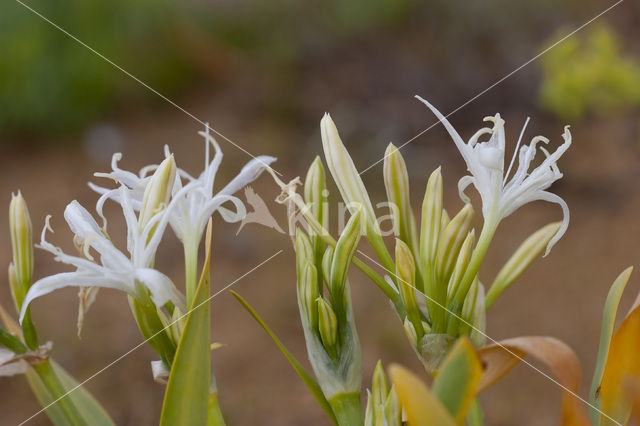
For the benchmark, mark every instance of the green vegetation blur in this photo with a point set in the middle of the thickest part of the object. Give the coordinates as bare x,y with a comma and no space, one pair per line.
49,84
589,74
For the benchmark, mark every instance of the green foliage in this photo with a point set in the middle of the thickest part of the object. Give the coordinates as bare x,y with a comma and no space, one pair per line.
48,81
589,74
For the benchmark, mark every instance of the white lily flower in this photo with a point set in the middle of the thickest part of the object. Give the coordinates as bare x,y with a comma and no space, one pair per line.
189,218
485,162
114,269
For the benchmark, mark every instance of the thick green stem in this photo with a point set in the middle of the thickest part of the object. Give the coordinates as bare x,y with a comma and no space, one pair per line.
488,230
58,392
214,418
190,268
348,409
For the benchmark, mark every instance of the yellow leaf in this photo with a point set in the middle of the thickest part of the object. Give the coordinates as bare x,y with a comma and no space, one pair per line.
421,406
623,364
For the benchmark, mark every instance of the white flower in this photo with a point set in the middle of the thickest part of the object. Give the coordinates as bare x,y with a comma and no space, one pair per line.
113,269
485,162
189,218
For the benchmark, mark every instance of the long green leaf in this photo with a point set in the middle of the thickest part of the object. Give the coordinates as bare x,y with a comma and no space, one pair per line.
88,408
187,394
608,324
311,384
86,405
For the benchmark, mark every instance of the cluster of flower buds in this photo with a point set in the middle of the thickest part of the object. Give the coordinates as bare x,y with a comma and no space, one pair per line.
438,294
383,407
324,302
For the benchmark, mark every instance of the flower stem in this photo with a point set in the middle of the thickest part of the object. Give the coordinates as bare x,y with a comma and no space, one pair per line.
347,408
58,392
457,302
190,269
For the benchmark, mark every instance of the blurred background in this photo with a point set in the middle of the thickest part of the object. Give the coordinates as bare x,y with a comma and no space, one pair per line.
263,73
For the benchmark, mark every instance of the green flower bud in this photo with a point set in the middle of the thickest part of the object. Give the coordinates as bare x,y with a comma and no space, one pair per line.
392,409
309,292
410,330
315,187
432,216
351,187
327,259
461,264
304,251
450,242
531,248
406,273
396,182
21,232
379,385
327,326
342,256
158,191
315,197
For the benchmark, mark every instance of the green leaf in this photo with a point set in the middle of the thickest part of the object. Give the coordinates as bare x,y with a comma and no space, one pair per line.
608,324
457,380
83,402
187,394
311,384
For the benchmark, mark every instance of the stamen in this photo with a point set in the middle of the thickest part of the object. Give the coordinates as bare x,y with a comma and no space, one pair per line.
515,153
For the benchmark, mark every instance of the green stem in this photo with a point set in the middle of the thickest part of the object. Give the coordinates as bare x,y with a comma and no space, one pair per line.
488,230
347,409
58,392
214,417
190,268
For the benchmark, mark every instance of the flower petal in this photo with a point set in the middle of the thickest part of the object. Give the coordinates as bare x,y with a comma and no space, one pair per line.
248,174
161,287
69,279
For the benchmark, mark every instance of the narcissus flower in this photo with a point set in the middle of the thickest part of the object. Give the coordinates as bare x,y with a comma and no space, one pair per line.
114,269
485,161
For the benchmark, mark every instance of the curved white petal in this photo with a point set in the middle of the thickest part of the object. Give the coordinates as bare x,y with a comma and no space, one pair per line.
161,287
250,172
69,279
463,183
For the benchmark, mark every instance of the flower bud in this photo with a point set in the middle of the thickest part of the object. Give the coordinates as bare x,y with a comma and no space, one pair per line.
410,330
327,258
431,217
379,385
351,187
22,245
396,182
158,191
315,186
406,273
327,325
461,263
309,293
304,252
343,254
531,248
450,242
